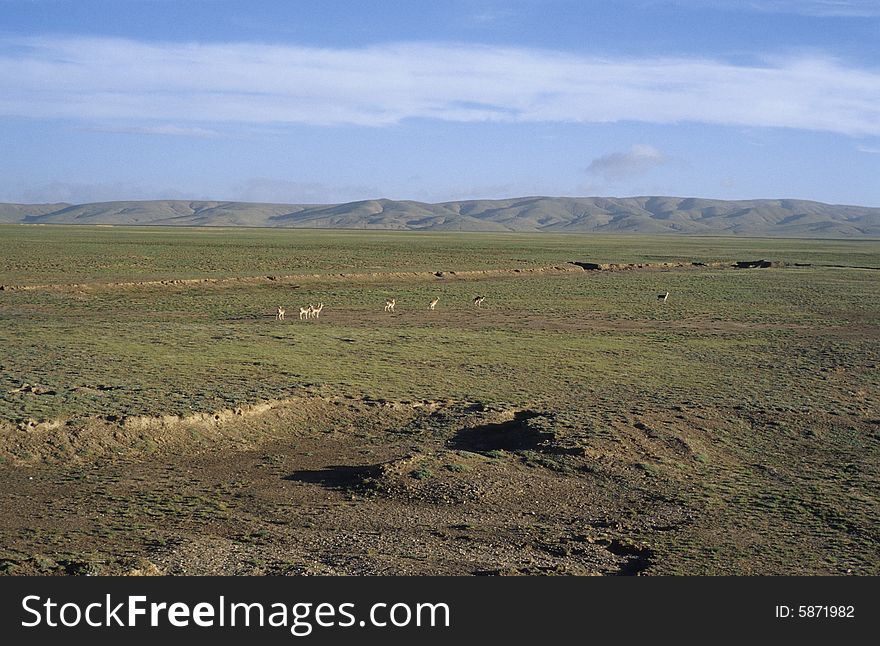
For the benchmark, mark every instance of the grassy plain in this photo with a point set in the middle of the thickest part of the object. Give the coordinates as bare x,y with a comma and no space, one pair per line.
572,424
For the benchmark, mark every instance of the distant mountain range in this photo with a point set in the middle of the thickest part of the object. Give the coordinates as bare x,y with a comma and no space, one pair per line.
792,218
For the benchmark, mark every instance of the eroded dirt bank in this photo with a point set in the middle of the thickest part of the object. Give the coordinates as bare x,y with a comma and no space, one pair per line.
341,485
562,267
317,485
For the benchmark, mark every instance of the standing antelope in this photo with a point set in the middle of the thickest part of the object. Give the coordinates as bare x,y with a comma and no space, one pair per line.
663,297
316,311
478,301
434,303
305,312
279,315
389,304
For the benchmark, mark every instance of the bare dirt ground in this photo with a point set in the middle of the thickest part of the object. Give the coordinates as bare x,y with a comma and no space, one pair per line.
343,486
377,488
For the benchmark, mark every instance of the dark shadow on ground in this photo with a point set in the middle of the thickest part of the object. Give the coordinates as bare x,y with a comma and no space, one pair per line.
337,476
518,434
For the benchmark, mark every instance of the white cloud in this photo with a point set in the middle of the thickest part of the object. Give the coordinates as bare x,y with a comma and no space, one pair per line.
818,8
263,189
501,190
624,165
824,8
83,192
488,17
259,189
164,129
138,84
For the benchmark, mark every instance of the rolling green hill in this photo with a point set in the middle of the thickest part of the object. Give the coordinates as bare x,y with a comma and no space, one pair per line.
798,218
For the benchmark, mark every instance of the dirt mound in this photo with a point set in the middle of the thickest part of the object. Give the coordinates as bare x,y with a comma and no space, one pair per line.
444,478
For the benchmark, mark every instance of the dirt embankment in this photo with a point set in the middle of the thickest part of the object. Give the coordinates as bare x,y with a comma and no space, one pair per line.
323,485
83,439
562,268
630,266
291,278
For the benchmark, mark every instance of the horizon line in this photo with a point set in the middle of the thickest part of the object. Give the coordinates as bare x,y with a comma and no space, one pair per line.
452,201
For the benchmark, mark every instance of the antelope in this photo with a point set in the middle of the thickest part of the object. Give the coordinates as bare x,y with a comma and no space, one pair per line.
434,303
663,297
389,304
479,300
316,311
305,312
279,315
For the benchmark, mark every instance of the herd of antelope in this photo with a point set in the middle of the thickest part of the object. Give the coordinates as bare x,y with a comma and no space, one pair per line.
314,311
305,313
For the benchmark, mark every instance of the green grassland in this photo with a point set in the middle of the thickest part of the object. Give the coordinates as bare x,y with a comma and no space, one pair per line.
540,337
72,254
756,372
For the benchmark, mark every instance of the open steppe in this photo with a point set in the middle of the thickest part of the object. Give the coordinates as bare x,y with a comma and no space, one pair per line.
156,418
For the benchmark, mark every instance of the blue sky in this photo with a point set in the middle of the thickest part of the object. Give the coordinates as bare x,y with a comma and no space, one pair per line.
338,101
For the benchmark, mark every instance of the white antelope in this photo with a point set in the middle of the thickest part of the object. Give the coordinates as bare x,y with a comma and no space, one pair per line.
305,312
389,304
316,311
279,314
663,297
434,303
478,301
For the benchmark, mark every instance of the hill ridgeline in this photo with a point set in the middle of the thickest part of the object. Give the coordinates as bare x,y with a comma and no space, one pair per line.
646,215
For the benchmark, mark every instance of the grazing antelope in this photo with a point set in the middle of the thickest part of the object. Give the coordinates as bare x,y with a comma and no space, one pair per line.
279,315
478,301
305,312
663,297
389,304
434,303
316,311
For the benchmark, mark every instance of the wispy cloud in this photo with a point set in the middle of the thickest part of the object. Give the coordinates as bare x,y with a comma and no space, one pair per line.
257,189
871,150
264,189
624,165
825,8
140,84
83,192
488,17
165,129
818,8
